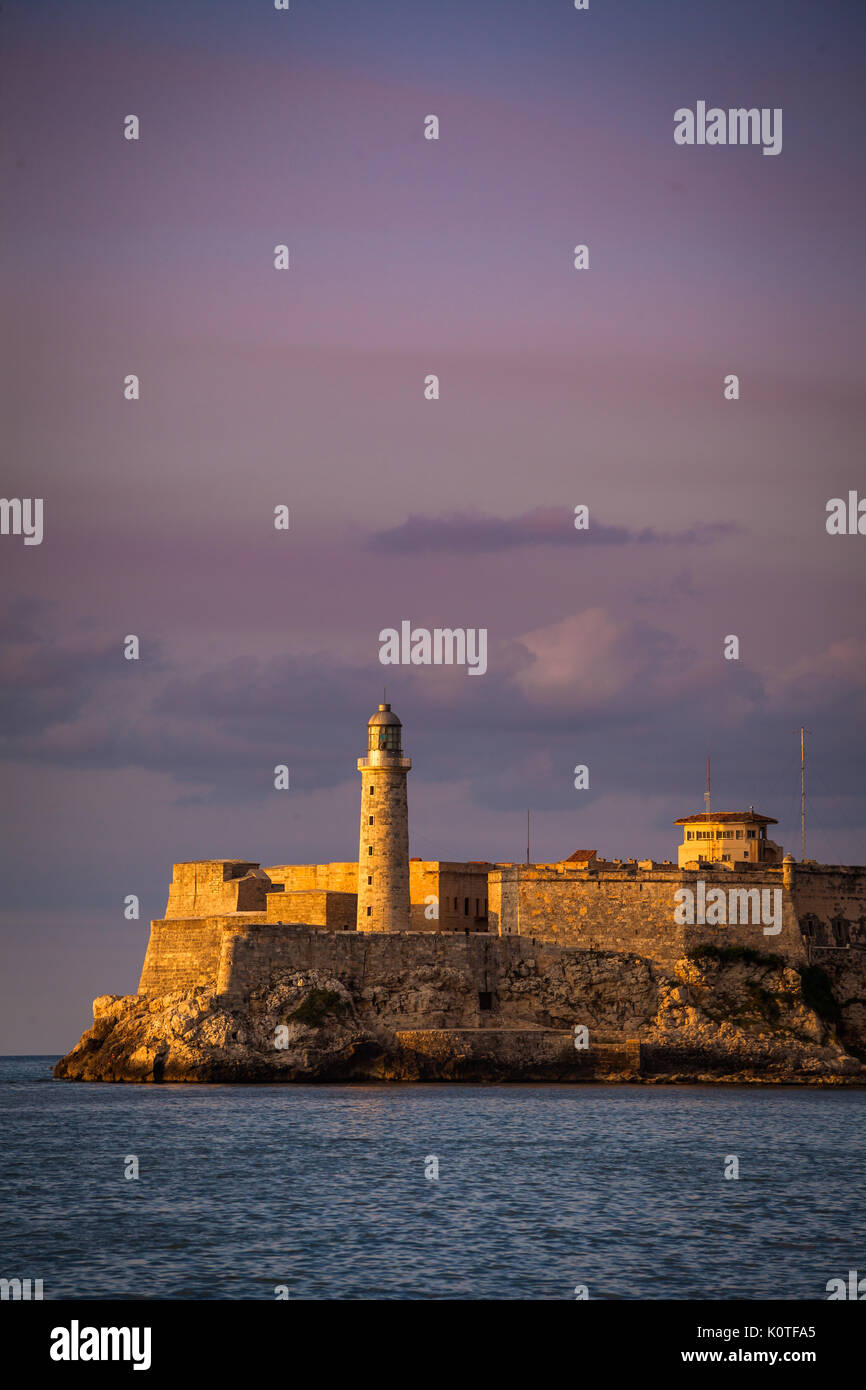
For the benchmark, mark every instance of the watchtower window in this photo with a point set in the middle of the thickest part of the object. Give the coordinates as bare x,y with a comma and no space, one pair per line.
369,849
369,912
385,738
372,789
485,1000
370,820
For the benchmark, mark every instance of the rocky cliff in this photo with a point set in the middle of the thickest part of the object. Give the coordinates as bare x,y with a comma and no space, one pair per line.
719,1015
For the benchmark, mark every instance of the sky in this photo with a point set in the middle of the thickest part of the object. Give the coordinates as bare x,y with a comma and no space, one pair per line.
305,388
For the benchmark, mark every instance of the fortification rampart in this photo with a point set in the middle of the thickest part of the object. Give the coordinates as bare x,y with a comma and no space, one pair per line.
251,955
241,954
185,953
802,912
830,901
616,911
780,909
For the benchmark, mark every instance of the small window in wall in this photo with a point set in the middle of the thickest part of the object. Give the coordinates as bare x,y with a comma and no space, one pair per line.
369,878
369,912
465,907
455,904
745,854
841,931
369,820
372,789
485,1000
369,849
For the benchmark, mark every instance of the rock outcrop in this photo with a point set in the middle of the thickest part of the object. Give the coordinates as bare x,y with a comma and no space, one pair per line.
732,1015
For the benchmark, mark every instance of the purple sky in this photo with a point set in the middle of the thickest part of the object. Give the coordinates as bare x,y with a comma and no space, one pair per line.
306,388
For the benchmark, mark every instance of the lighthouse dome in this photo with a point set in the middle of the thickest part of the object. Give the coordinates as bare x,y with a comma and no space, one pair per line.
383,715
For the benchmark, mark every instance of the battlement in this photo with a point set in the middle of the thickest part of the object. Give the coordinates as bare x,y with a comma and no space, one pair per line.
206,887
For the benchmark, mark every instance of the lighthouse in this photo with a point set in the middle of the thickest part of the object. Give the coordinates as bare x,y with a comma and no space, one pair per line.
383,853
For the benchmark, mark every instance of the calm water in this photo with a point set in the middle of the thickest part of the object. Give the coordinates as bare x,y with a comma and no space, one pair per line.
322,1188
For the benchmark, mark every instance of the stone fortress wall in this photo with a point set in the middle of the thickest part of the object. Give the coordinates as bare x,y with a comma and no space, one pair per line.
211,887
830,902
633,908
447,896
229,924
328,878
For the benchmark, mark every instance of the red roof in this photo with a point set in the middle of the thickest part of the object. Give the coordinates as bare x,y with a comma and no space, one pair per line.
722,817
580,856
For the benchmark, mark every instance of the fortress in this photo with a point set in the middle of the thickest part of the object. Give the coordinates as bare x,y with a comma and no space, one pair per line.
231,924
735,964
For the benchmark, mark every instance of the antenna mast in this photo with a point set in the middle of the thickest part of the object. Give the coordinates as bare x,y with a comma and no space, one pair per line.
707,792
527,837
803,795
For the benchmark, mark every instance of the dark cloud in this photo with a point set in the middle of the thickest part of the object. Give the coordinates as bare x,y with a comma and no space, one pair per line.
22,619
473,533
48,675
629,698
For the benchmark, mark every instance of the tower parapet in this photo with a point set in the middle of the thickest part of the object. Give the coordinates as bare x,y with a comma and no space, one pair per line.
383,853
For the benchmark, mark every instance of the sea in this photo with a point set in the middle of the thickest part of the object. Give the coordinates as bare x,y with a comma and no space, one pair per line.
428,1191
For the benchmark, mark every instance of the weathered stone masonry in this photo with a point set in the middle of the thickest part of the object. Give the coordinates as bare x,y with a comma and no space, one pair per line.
632,908
628,911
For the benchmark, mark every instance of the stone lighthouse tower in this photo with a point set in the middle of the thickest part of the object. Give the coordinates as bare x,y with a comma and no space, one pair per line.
383,854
